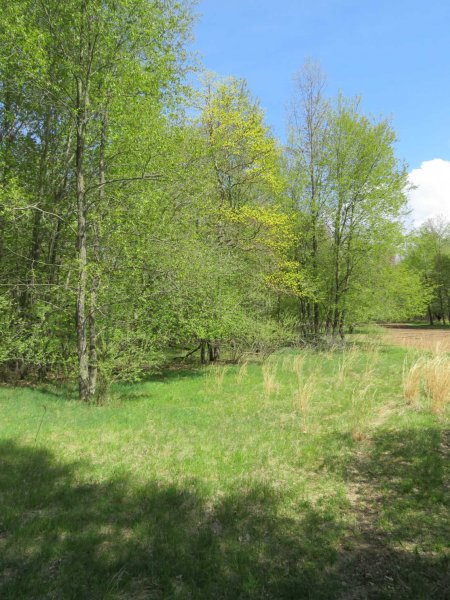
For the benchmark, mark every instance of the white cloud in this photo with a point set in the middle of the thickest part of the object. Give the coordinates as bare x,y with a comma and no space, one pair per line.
431,198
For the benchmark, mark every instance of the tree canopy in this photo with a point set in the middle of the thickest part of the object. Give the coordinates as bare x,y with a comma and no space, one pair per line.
142,215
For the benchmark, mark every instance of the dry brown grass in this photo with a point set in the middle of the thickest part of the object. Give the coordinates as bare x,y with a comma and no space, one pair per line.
437,382
360,410
431,374
242,373
303,395
345,364
436,340
297,365
269,373
218,373
412,380
373,357
286,363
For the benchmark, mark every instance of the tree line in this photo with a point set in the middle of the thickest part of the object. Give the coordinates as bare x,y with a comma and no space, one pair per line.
140,213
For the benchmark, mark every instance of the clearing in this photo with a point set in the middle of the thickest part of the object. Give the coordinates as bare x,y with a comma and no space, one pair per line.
308,476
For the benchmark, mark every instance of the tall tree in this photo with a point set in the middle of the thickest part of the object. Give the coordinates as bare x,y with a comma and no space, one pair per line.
307,147
105,65
348,189
428,254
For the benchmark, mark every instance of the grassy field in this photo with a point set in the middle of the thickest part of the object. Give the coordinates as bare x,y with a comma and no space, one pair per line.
313,475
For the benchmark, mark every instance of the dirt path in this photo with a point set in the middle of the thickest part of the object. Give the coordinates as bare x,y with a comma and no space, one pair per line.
390,554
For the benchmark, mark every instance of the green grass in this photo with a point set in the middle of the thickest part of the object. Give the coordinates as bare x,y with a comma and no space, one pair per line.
201,485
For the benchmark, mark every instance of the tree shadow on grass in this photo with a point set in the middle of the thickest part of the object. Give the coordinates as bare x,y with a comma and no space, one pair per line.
65,538
62,536
63,391
401,499
168,374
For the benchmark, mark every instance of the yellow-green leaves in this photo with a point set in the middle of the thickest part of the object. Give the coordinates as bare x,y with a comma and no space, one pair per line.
242,151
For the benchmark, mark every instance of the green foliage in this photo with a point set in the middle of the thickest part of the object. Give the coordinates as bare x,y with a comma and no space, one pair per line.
389,294
11,345
347,188
138,215
428,255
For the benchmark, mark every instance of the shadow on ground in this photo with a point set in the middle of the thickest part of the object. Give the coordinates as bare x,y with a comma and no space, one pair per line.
400,493
62,537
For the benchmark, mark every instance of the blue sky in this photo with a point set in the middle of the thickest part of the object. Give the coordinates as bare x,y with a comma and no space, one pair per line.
395,54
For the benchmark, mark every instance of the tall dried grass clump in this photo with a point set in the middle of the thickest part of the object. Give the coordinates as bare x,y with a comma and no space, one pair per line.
375,354
372,361
412,380
242,373
433,375
303,394
346,362
297,365
286,363
437,382
372,342
218,374
360,409
269,373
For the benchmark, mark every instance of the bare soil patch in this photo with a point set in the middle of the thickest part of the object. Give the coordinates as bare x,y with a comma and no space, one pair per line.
436,340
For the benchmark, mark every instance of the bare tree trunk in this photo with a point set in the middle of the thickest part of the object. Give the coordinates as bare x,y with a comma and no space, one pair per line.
309,119
6,138
59,194
36,235
83,373
314,211
203,352
337,273
441,302
316,308
214,352
93,358
93,354
348,276
341,326
81,321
